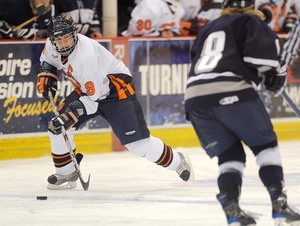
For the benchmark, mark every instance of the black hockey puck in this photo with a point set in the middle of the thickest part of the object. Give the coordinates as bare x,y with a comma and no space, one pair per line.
41,197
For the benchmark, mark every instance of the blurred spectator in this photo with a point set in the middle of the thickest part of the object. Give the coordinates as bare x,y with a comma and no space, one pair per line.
210,10
191,8
280,14
24,18
155,18
207,11
189,22
125,8
83,13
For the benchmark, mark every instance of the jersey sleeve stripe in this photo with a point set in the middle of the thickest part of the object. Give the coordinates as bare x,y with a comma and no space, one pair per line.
257,61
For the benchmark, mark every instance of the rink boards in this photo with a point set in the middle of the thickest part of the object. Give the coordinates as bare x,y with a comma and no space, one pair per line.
159,68
97,142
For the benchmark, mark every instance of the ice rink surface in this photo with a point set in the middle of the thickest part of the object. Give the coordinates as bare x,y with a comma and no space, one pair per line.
127,190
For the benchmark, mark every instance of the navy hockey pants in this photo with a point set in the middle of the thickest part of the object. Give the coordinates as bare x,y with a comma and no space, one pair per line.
222,128
124,116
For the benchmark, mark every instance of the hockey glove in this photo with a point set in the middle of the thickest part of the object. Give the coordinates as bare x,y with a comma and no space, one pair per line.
67,119
276,83
5,30
47,82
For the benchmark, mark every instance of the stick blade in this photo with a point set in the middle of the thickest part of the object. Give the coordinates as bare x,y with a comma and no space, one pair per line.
85,185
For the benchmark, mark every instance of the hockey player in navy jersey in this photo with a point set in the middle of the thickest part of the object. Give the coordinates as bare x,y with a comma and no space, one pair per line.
83,13
228,55
16,12
102,87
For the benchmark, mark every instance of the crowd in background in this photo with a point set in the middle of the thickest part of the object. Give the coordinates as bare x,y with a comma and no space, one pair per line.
28,19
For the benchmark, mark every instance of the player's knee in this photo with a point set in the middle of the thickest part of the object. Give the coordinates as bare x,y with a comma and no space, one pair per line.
150,148
232,167
269,156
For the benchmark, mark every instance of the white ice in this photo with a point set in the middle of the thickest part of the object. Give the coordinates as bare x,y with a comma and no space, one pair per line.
127,190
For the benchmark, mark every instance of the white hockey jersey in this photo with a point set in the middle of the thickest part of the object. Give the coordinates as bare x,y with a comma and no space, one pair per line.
209,12
150,17
88,68
191,9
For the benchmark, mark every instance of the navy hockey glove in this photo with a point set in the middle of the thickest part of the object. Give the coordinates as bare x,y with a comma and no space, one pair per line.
68,118
276,83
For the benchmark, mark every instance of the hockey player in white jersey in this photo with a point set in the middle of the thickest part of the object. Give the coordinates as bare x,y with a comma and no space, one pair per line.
189,22
155,18
210,10
103,86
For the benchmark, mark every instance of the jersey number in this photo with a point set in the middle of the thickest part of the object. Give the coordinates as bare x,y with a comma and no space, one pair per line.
144,25
90,88
212,52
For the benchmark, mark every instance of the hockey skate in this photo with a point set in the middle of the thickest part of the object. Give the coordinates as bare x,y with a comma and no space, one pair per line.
283,215
235,216
62,182
185,169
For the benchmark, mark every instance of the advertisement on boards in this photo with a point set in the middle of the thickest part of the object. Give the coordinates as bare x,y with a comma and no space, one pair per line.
159,68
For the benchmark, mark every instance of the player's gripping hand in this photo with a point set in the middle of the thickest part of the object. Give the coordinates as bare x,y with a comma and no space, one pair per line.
67,119
276,83
47,82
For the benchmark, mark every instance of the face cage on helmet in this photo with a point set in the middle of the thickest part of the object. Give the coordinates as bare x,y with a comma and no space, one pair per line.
66,51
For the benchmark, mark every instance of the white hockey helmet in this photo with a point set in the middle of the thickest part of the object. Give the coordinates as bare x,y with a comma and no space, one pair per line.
174,5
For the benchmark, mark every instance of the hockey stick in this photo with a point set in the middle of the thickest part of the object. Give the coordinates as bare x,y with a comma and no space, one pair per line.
290,51
40,11
85,185
24,24
291,103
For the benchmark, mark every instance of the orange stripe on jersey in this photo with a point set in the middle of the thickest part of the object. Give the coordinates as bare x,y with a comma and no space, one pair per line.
167,25
64,60
121,87
124,85
121,92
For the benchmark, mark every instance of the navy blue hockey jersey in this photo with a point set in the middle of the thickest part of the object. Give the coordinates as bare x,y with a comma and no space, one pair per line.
83,13
227,57
16,12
